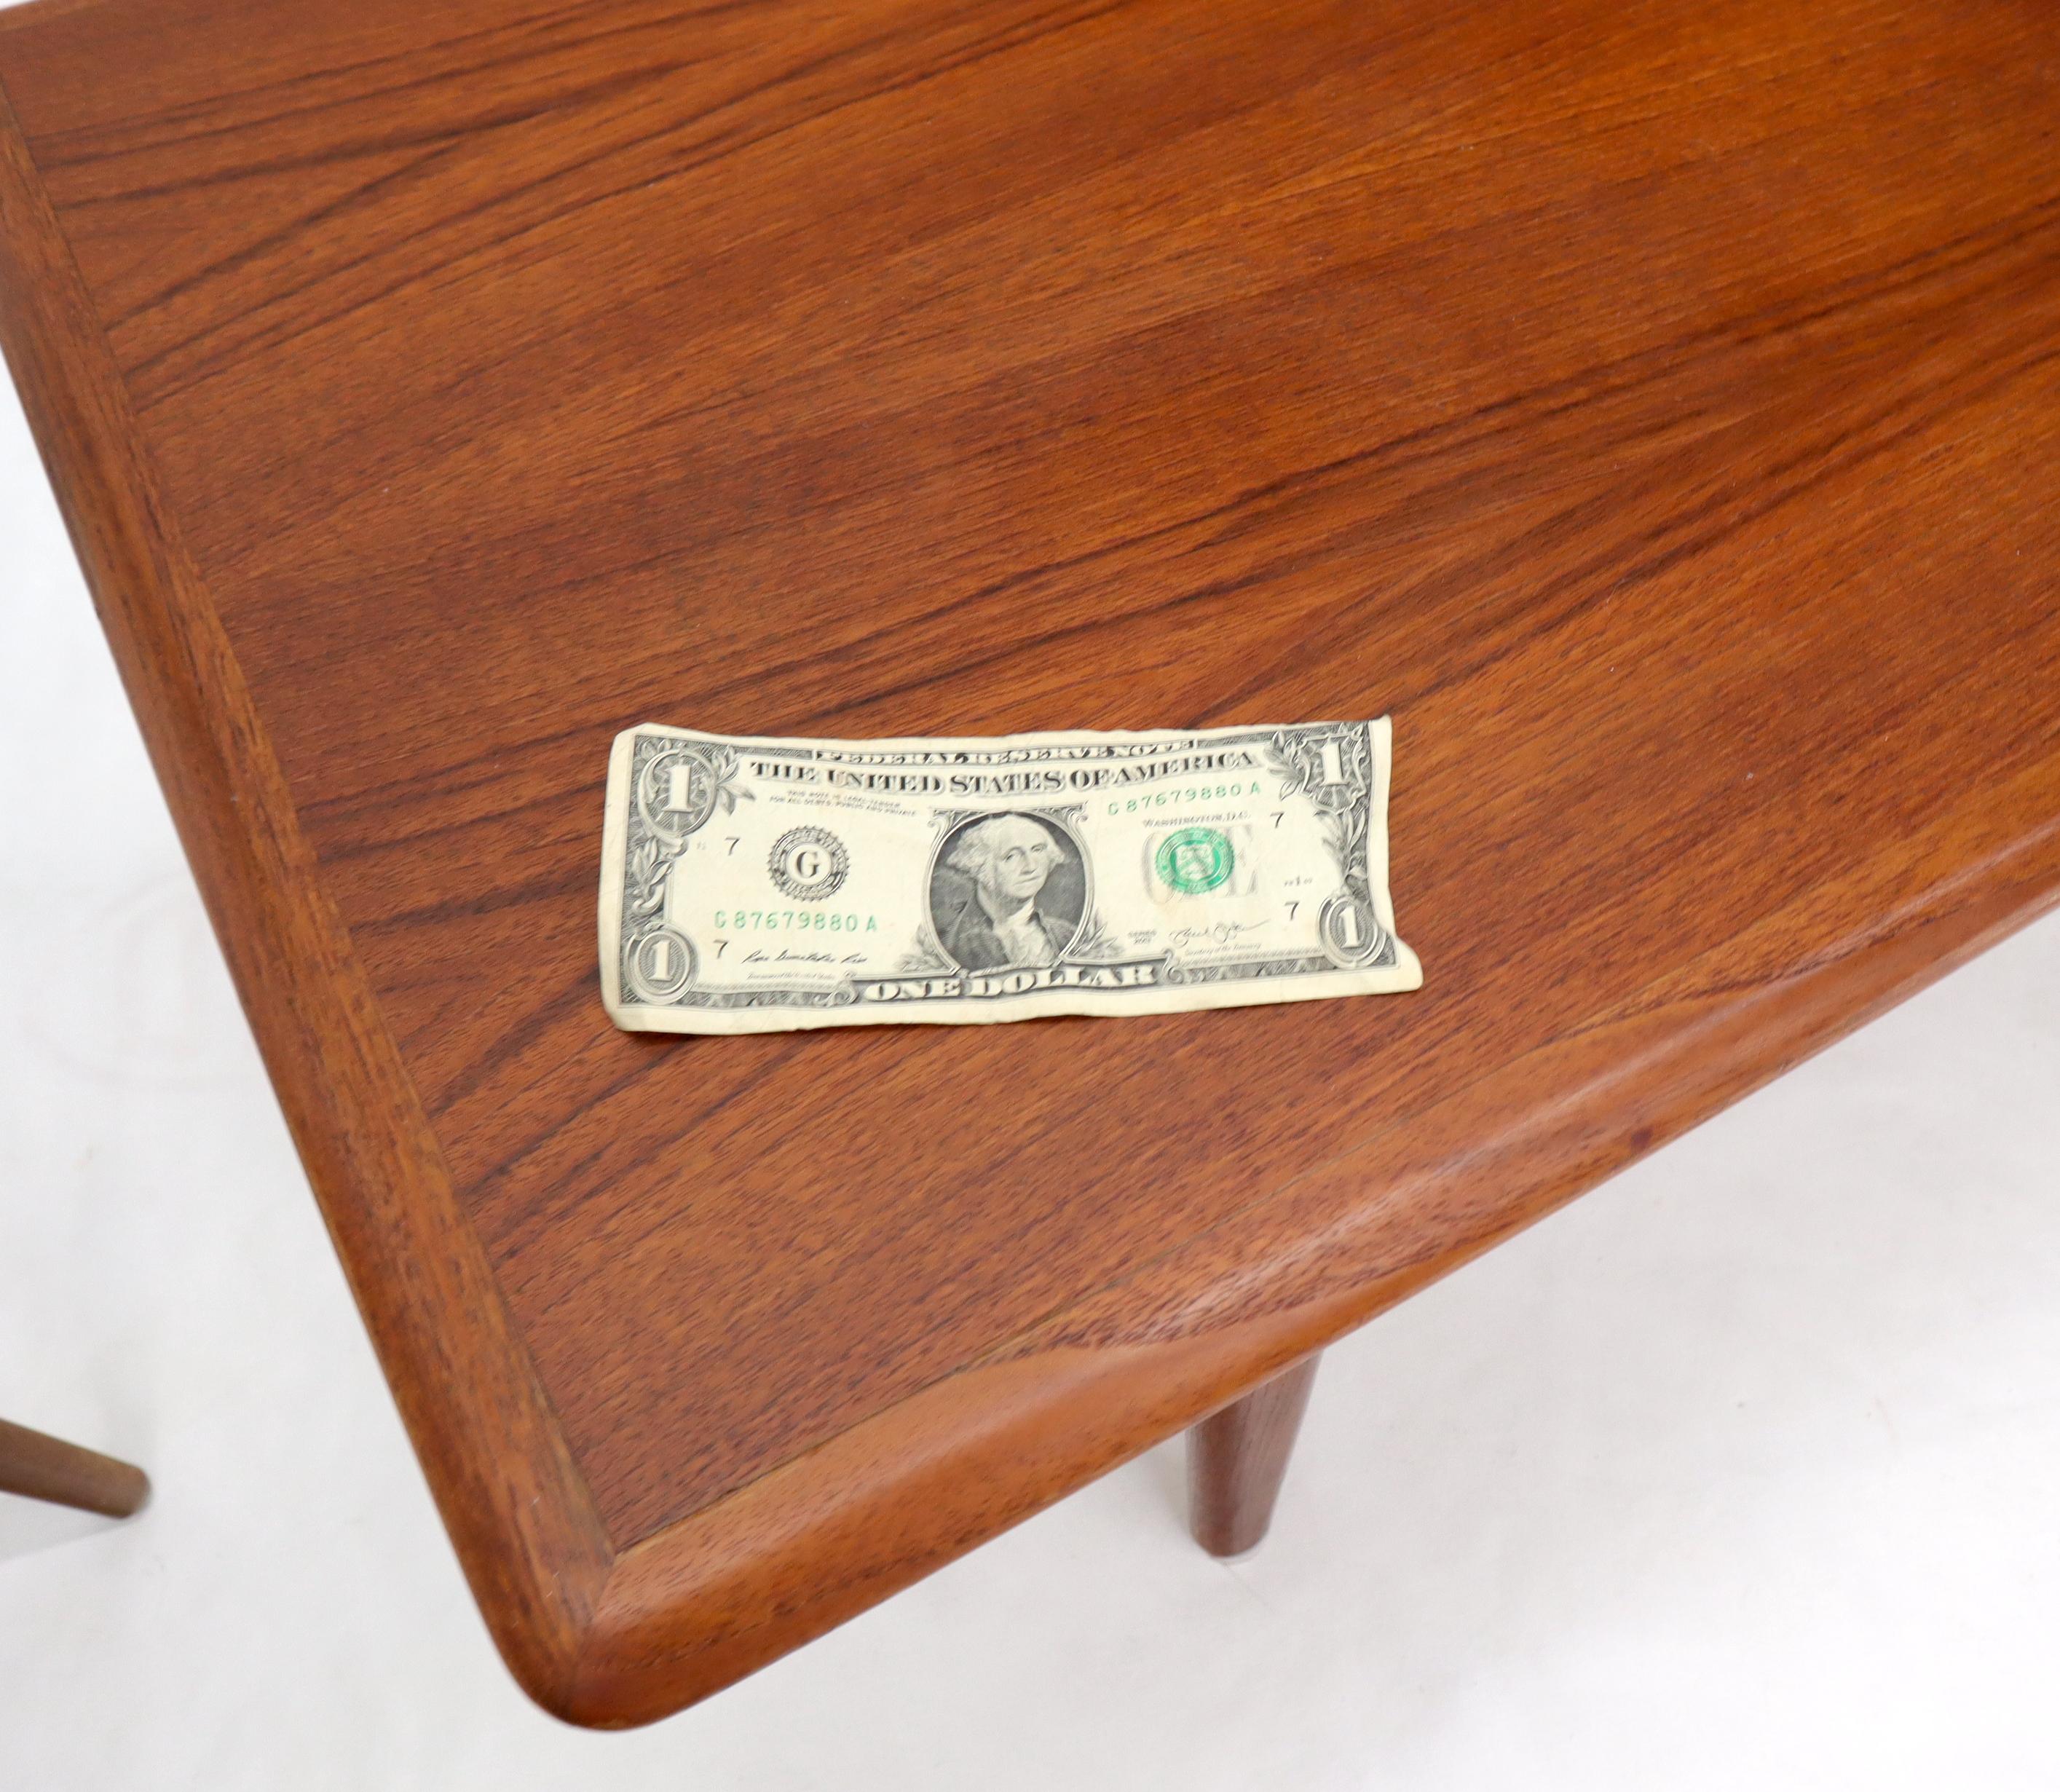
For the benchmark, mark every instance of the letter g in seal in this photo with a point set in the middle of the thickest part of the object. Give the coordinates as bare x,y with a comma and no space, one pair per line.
808,864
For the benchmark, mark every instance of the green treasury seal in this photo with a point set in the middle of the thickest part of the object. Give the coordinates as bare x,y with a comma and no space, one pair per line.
1194,860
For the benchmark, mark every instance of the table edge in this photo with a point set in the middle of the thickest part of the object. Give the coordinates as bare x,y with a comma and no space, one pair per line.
28,13
520,1516
882,1504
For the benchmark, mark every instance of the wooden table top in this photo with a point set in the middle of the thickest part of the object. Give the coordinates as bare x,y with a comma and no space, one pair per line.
1656,410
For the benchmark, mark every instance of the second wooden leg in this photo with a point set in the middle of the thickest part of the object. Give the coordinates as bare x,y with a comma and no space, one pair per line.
1237,1458
47,1468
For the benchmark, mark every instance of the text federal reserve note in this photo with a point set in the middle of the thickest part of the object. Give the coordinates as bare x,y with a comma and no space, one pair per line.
756,885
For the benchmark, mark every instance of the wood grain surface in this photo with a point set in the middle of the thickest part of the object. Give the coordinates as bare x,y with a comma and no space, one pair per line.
1655,409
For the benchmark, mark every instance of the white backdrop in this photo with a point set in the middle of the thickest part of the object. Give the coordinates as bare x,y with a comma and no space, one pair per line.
1744,1470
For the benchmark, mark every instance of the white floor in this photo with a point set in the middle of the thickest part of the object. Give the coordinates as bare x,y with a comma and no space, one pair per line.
1743,1472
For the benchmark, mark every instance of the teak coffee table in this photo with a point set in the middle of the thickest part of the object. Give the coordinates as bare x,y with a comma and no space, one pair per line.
1656,410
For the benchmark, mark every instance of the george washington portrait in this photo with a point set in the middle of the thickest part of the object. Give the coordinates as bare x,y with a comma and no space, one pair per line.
1007,892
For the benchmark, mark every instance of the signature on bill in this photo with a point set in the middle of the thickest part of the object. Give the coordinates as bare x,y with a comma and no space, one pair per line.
1221,933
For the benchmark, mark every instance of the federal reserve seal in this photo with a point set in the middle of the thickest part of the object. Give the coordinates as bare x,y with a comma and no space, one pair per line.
808,864
1195,859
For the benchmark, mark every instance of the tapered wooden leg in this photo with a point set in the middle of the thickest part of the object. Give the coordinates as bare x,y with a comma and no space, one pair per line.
1236,1459
46,1468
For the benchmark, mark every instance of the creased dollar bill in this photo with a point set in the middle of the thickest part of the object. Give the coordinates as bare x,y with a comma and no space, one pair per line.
758,885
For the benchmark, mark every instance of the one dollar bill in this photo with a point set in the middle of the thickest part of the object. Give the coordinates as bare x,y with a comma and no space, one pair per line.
758,885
